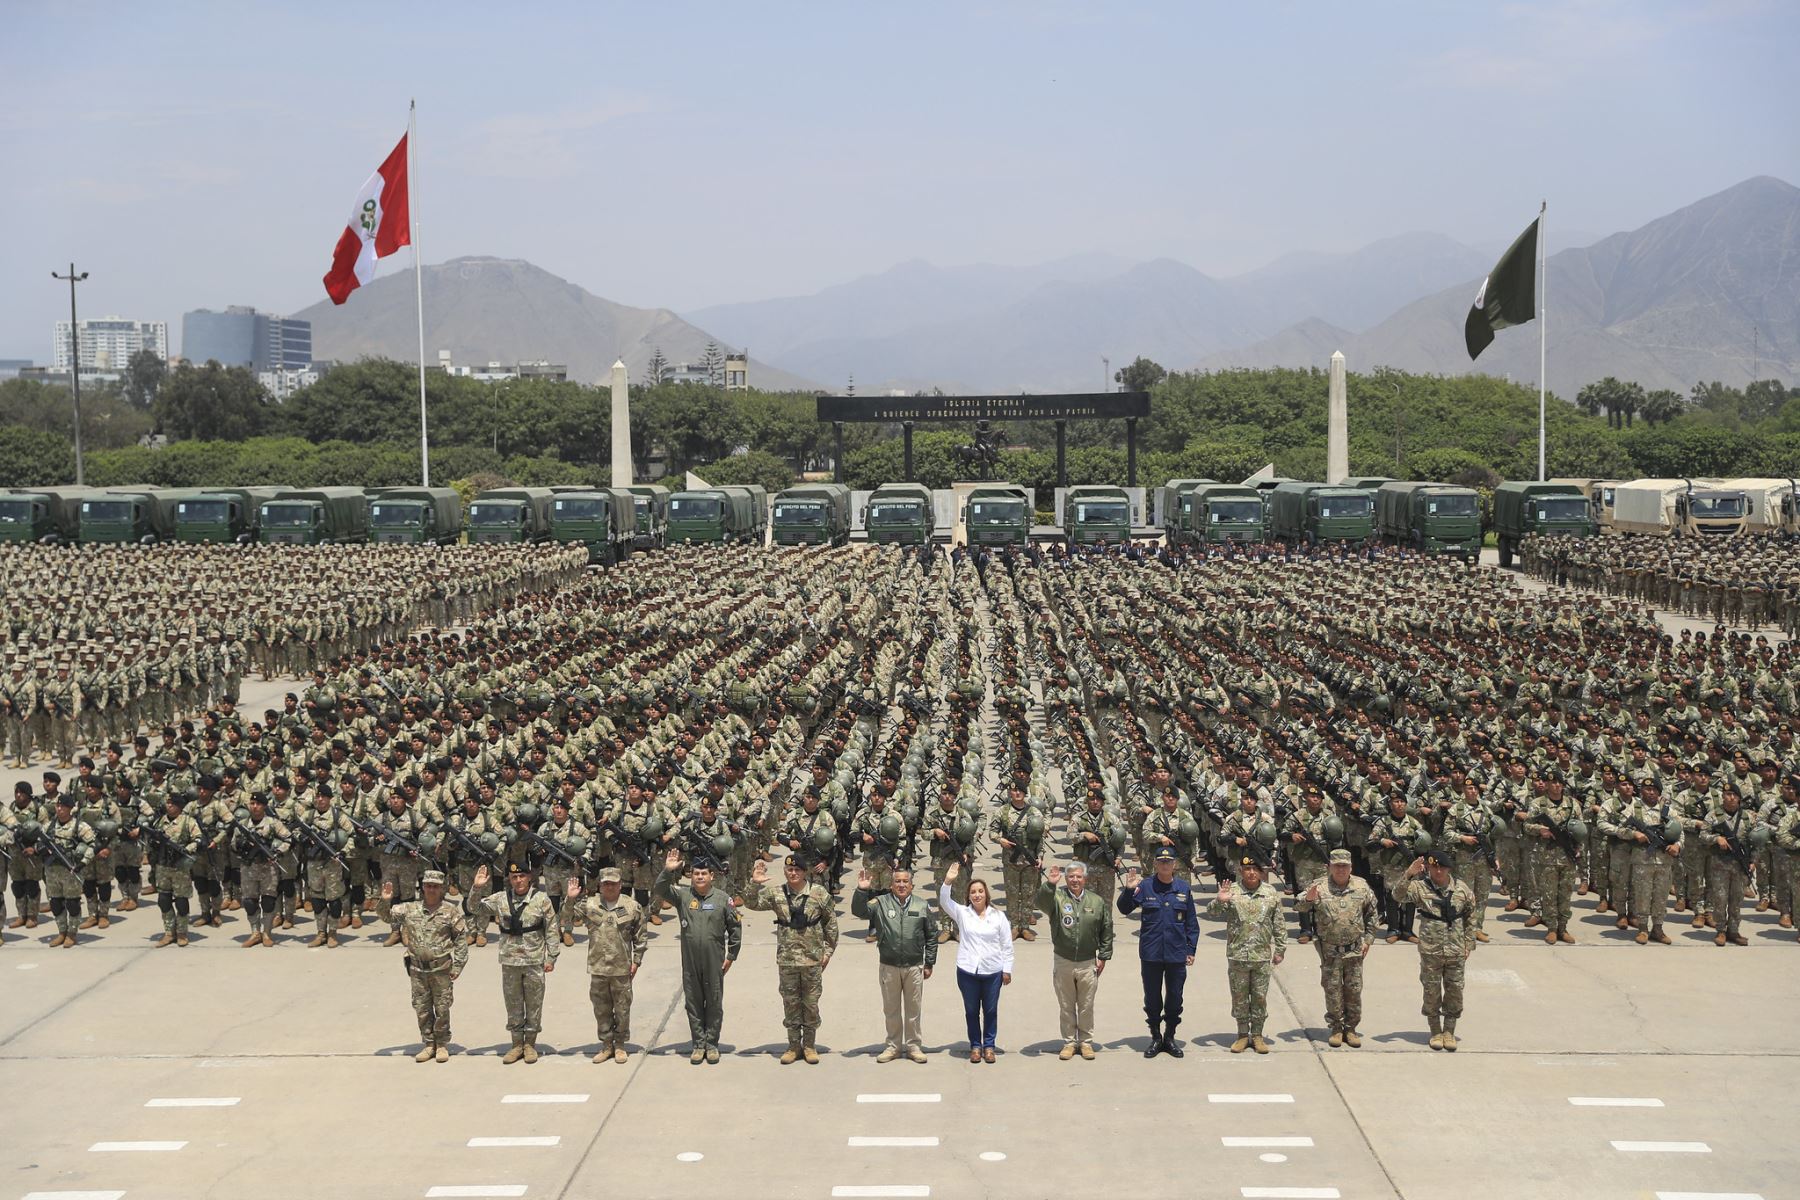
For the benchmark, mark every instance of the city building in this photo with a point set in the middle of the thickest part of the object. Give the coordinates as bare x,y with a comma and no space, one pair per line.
242,337
494,372
687,373
285,381
10,367
107,343
737,372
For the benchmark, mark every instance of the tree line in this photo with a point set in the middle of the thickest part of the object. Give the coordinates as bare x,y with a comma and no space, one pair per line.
358,425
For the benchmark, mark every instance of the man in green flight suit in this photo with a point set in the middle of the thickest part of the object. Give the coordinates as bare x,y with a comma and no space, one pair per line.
710,937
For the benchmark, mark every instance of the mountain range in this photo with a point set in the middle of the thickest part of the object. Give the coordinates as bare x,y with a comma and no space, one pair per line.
1710,291
506,310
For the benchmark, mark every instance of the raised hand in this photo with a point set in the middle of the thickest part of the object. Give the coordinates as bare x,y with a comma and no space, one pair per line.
481,876
862,881
387,889
1312,893
673,861
1132,879
954,870
759,873
574,889
1054,875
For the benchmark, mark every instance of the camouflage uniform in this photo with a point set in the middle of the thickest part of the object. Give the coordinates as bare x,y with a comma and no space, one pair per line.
1446,939
806,934
437,944
528,944
169,872
617,936
1255,935
1019,870
1343,921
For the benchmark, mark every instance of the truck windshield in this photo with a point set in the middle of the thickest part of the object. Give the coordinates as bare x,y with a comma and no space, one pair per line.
1451,506
203,510
287,514
791,513
1234,510
996,512
15,512
581,510
107,510
1100,512
895,512
501,513
1344,506
1708,508
694,508
394,513
1562,508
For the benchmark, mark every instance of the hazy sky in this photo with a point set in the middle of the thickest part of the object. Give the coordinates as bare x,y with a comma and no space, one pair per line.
196,155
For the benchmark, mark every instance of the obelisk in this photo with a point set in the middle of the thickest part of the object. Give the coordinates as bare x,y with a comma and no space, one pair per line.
621,426
1337,425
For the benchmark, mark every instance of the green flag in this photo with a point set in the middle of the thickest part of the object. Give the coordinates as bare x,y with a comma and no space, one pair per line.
1508,296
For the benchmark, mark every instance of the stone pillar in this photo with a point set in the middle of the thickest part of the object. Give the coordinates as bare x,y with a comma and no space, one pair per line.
1337,436
621,426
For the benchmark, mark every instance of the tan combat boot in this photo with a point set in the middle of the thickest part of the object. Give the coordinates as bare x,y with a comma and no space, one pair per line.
516,1053
1450,1034
604,1054
620,1054
531,1051
1353,1039
1243,1041
789,1057
168,939
318,940
1335,1040
425,1054
807,1051
60,937
91,921
699,1056
443,1053
1258,1044
1437,1035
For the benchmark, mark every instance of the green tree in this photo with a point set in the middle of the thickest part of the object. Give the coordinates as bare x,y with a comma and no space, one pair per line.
758,467
1661,406
656,370
34,458
712,361
144,374
224,403
1140,376
1763,399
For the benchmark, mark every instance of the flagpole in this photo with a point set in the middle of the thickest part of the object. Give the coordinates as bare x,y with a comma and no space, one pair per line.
1543,307
412,217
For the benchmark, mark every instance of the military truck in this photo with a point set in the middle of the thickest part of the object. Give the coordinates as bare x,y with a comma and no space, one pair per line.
221,514
1369,483
900,513
1224,512
1679,508
1172,501
516,514
1310,513
1524,507
1599,494
1266,489
1774,504
758,502
130,514
712,515
51,515
652,504
416,515
812,514
997,514
1437,518
604,519
315,516
1096,515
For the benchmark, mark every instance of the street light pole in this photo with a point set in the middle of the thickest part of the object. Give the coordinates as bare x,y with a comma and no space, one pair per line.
75,365
1105,373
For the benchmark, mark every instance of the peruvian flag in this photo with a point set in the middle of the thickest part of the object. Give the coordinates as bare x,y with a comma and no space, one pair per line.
378,226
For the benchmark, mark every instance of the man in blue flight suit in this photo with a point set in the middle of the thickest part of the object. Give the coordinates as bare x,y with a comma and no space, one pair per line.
1167,938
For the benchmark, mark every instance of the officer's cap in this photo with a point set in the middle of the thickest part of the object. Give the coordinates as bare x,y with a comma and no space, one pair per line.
1438,858
1165,854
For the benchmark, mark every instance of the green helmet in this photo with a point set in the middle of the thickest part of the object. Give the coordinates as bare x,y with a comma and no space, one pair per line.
1422,843
1759,836
1115,837
1189,829
824,838
29,832
1264,834
527,814
964,830
428,841
968,804
840,810
1497,826
105,831
890,829
722,846
1577,830
652,829
910,813
1034,828
576,845
1333,827
489,843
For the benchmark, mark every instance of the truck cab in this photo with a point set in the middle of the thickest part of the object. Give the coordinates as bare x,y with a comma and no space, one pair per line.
1096,516
1224,512
900,514
997,516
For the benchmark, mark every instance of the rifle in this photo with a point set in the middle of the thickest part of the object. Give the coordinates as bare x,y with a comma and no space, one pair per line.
377,832
325,848
540,840
1735,844
47,840
178,855
263,848
1483,844
1563,841
1658,835
468,843
624,840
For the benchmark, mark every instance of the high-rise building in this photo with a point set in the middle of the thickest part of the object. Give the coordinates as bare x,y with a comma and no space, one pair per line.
108,343
243,337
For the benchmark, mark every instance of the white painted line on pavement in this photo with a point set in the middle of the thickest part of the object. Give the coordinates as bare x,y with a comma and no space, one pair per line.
1663,1147
33,967
479,1143
1668,1196
992,1156
1265,1141
689,1156
476,1189
545,1098
1273,1158
1249,1098
880,1189
1615,1102
857,1142
898,1097
192,1102
129,1147
72,1195
1286,1193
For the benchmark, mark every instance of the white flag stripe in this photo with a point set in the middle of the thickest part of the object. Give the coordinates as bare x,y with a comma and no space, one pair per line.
488,1143
475,1189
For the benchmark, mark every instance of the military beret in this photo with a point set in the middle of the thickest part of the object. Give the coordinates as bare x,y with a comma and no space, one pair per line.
52,777
1439,858
1250,858
517,867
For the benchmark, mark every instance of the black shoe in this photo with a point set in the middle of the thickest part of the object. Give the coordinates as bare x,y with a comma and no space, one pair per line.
1172,1045
1154,1048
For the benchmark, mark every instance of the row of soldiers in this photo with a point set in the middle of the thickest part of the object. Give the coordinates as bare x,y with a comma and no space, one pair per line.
139,636
1740,581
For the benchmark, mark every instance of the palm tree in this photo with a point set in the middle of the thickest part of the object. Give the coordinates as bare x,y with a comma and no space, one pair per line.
1661,406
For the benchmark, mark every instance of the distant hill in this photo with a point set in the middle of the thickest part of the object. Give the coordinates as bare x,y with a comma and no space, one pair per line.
1710,291
506,310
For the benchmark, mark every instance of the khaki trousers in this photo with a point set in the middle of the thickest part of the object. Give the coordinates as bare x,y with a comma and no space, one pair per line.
902,995
1075,984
